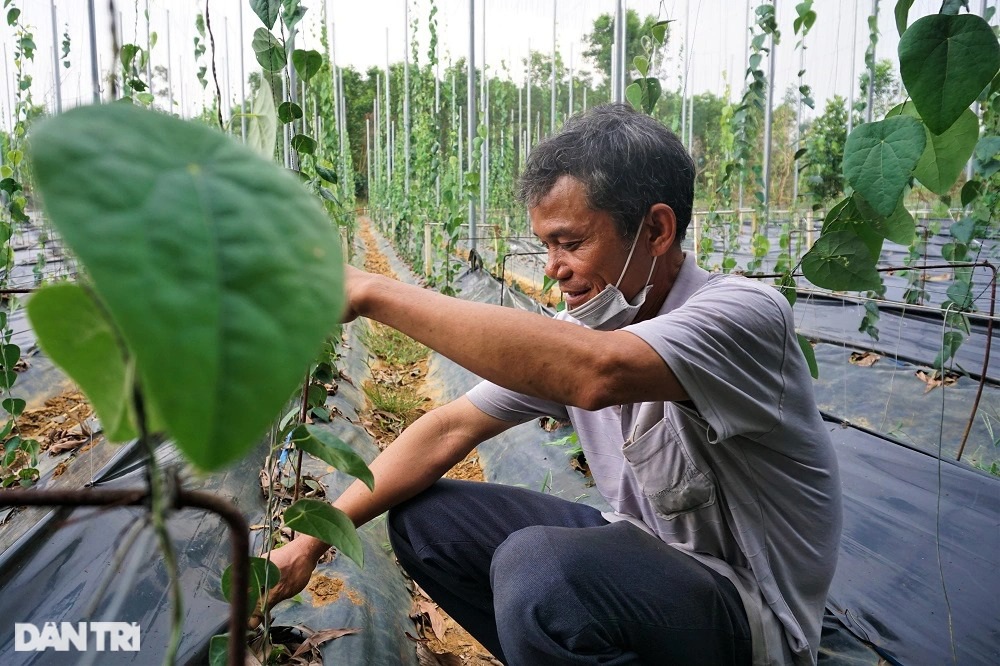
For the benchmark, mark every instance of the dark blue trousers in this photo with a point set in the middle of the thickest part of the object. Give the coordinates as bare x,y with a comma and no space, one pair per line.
542,581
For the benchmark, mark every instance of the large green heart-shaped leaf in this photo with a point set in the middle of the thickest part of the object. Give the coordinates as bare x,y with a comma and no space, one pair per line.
262,122
221,272
321,443
268,50
879,158
306,63
266,10
902,13
74,332
840,261
328,524
846,216
945,62
945,155
898,227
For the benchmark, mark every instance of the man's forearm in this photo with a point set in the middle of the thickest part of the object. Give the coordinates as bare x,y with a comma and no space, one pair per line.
522,351
420,456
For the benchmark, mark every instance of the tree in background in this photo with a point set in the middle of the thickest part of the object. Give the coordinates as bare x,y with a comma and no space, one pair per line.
824,142
887,92
601,39
783,149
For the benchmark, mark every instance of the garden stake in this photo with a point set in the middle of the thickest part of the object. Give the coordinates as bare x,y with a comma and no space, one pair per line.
238,528
986,360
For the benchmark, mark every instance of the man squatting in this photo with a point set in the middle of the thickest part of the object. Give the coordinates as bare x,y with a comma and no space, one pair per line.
693,405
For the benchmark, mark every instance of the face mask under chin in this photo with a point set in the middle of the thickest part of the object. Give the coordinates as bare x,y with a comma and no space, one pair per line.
610,310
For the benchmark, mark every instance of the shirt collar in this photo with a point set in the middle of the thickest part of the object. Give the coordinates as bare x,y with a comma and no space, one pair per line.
690,278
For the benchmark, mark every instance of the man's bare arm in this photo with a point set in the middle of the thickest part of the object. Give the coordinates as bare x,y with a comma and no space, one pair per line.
521,351
420,456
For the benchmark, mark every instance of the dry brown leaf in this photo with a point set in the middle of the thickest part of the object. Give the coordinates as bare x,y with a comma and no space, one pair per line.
433,613
934,380
428,657
320,637
63,445
865,359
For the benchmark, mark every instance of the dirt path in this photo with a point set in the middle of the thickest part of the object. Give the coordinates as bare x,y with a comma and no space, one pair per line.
399,372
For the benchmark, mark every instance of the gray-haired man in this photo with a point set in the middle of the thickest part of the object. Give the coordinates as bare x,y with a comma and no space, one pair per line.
694,408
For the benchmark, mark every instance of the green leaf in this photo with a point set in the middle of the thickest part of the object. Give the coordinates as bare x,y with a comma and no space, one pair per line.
950,343
641,63
643,98
964,230
659,31
845,216
9,185
945,62
268,50
898,227
218,650
810,354
971,191
262,123
128,54
945,155
902,15
266,10
74,332
289,111
292,12
547,284
14,406
264,574
12,15
318,519
303,144
869,323
306,63
953,6
960,294
840,261
322,444
327,174
238,268
10,355
879,158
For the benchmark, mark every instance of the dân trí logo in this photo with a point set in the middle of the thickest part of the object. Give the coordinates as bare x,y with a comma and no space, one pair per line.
77,636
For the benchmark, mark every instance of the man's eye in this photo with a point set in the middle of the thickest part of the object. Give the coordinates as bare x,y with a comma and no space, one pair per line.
570,246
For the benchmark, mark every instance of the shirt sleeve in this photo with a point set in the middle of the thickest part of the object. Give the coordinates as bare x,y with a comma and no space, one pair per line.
508,405
728,346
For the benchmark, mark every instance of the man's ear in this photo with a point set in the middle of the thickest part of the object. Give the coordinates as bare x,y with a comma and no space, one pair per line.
663,229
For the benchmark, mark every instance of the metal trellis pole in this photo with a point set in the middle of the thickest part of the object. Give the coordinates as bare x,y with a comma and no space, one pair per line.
768,114
472,115
95,77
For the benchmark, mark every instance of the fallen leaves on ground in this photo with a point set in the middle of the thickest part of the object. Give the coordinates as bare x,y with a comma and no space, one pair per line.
865,359
934,379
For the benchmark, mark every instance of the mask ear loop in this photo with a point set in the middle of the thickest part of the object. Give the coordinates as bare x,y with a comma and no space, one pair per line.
628,259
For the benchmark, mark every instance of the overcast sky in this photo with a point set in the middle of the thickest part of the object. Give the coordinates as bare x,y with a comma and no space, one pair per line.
717,28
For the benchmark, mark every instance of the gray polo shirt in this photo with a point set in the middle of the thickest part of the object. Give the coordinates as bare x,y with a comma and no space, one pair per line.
743,476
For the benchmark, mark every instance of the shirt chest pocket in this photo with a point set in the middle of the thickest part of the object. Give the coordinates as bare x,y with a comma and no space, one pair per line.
666,470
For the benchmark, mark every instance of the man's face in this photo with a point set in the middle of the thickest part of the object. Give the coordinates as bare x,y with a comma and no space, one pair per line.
585,252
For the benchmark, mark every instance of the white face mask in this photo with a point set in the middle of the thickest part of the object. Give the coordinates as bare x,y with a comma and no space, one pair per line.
610,310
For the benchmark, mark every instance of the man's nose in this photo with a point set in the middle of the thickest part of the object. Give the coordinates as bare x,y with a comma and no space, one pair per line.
555,269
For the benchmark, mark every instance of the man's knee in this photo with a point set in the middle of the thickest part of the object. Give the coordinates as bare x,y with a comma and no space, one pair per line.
529,576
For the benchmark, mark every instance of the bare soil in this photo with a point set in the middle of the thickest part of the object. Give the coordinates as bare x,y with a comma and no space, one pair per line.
442,640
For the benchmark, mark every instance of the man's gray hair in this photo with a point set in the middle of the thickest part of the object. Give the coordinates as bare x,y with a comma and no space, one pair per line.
625,160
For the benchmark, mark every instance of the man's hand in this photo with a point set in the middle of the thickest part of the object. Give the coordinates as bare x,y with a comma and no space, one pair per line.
296,561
